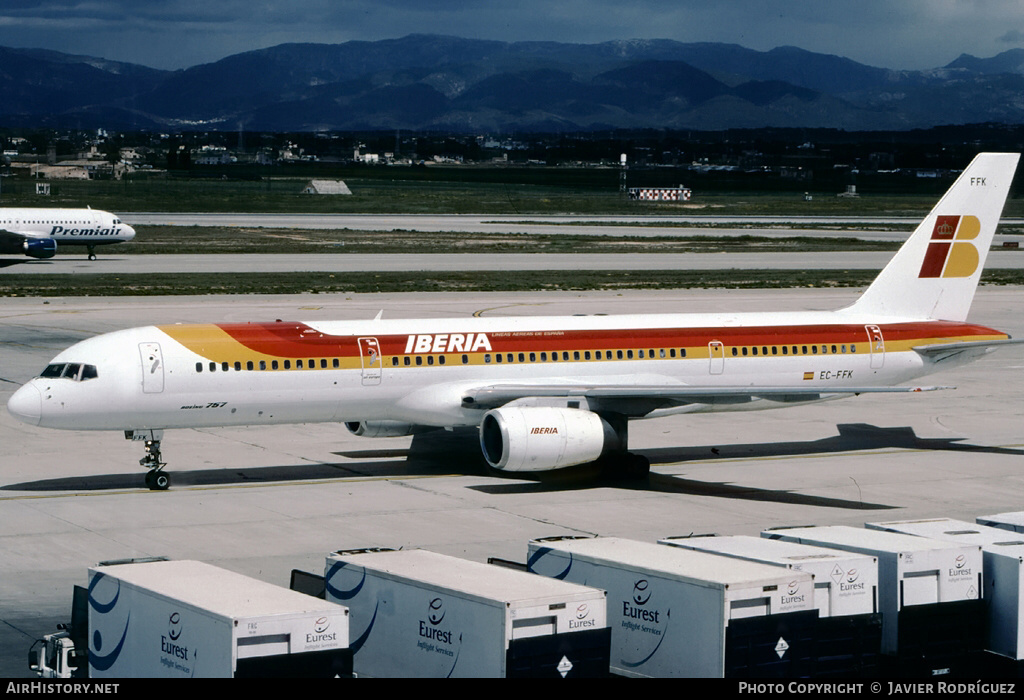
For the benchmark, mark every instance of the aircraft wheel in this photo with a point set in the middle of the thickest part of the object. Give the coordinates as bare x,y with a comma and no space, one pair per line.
92,256
157,480
637,467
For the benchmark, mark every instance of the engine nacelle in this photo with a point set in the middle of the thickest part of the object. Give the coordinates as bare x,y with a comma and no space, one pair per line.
40,248
529,439
383,428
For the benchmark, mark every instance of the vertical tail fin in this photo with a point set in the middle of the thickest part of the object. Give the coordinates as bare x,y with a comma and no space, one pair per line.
934,274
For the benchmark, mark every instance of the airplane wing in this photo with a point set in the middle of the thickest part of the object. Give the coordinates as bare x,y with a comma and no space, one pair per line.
944,351
640,400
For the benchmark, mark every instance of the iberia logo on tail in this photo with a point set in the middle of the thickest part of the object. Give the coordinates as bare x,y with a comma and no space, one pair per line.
950,252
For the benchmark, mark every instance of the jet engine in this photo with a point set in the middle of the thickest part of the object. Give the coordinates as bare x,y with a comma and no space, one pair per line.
535,438
40,248
32,247
383,428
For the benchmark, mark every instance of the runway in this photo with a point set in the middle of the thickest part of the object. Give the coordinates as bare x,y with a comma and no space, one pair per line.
634,226
263,501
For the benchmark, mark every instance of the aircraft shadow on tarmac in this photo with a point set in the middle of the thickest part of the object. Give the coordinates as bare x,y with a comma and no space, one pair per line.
441,453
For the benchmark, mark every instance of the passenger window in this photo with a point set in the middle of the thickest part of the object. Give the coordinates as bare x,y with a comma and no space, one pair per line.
336,363
248,365
543,357
238,366
419,360
618,354
213,366
407,361
497,357
465,359
224,366
263,364
430,359
586,355
522,357
287,364
533,357
199,367
576,355
273,364
640,354
440,360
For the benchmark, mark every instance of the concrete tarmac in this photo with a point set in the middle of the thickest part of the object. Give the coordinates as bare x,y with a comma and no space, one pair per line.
111,262
263,501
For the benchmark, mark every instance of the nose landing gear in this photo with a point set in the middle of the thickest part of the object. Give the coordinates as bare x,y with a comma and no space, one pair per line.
156,478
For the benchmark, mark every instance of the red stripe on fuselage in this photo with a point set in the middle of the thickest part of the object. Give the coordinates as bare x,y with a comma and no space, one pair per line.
297,340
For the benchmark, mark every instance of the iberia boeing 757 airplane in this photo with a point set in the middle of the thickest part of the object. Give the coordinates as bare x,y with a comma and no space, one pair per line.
545,392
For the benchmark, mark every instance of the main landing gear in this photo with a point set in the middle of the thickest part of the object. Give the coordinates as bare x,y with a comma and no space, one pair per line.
156,478
625,466
92,251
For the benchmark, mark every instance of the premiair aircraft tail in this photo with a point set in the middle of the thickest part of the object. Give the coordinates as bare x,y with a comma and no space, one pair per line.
935,273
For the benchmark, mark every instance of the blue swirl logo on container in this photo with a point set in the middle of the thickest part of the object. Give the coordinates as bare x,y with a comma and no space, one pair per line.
174,626
97,659
337,572
540,558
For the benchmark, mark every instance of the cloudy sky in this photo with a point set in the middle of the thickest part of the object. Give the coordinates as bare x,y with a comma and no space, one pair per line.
907,34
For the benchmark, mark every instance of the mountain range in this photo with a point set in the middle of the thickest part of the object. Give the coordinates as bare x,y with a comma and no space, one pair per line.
428,82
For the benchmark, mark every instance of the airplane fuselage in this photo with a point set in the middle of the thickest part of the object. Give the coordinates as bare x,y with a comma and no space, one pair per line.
38,232
419,372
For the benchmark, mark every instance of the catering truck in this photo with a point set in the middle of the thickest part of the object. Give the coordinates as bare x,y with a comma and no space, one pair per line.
416,613
679,613
185,619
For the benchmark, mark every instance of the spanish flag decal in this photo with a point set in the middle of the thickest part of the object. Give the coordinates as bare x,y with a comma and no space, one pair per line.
808,375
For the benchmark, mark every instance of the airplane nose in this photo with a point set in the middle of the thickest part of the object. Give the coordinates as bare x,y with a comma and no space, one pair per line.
26,404
129,233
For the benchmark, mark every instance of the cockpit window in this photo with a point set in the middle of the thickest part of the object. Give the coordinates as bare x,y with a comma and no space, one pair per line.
70,370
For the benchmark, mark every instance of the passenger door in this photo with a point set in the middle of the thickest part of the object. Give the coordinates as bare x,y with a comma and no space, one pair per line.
152,368
369,354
